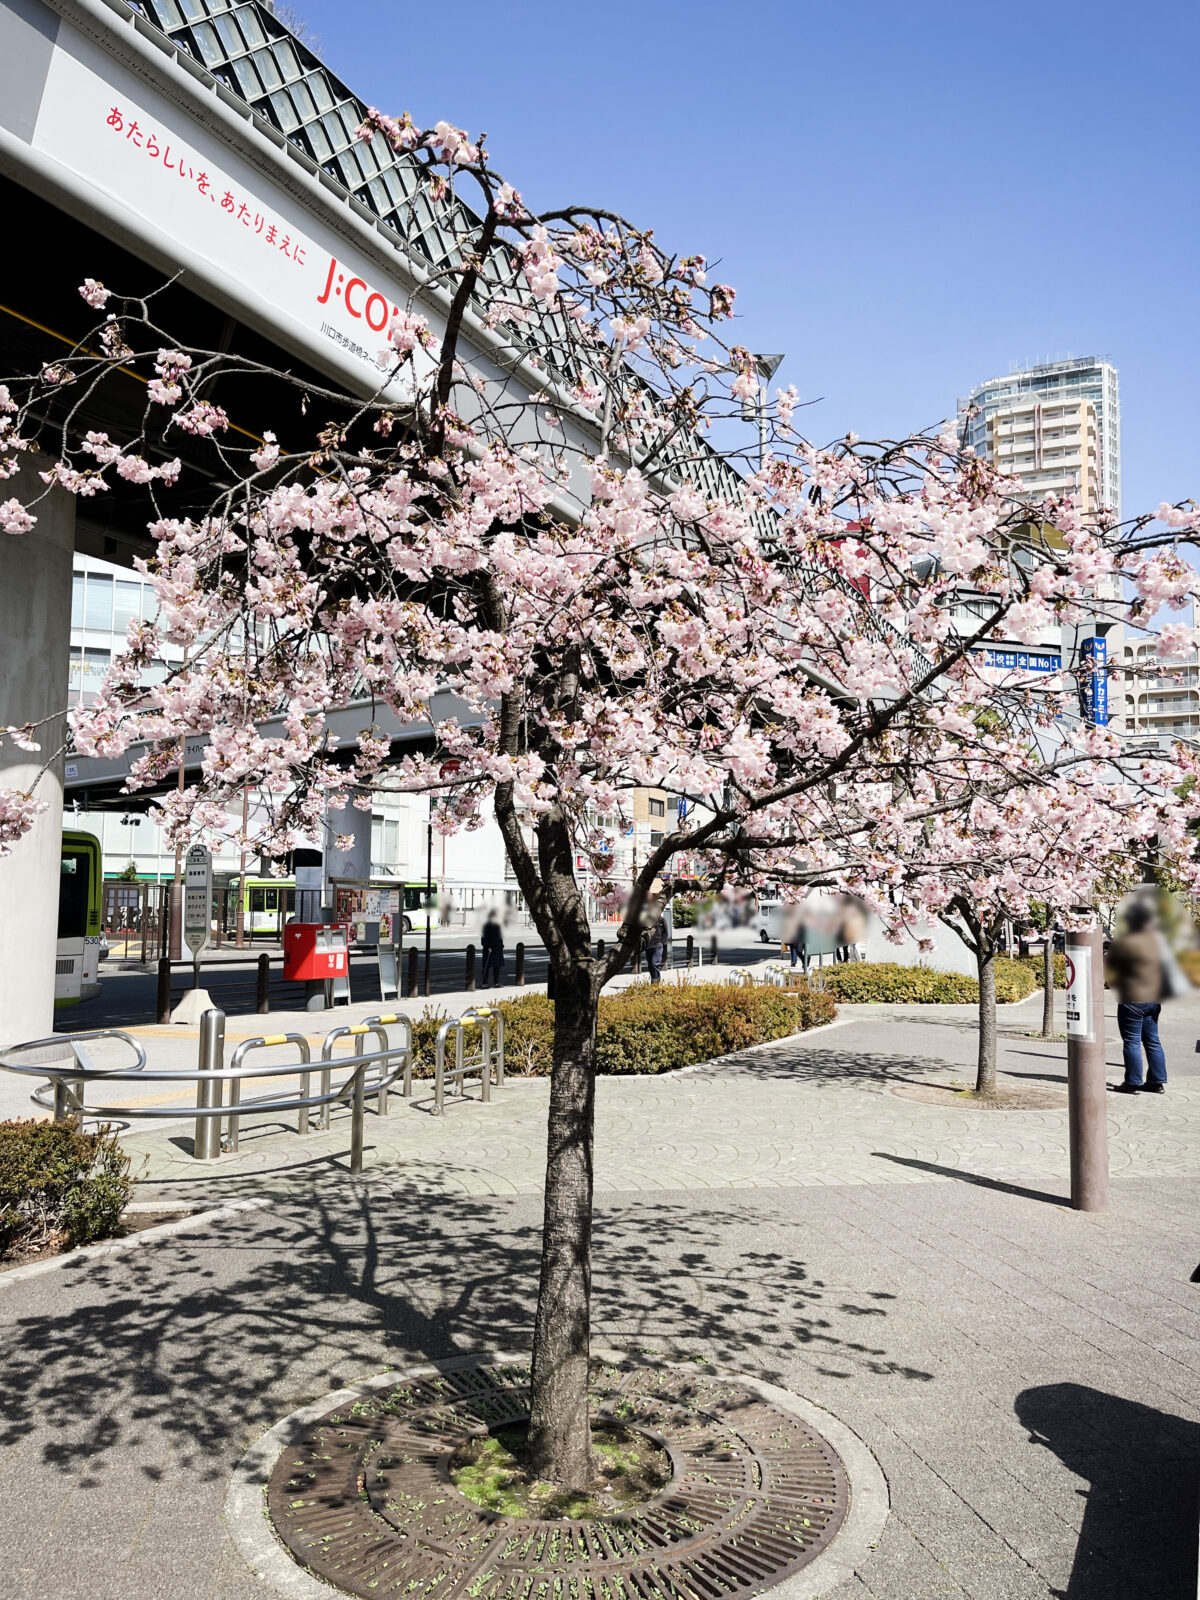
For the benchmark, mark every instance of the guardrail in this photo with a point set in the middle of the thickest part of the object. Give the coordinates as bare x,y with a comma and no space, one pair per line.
65,1094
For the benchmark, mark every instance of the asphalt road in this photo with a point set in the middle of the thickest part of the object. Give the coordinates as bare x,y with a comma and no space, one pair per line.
129,996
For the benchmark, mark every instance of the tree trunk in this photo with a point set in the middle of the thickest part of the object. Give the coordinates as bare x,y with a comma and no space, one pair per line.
985,1077
559,1431
1048,986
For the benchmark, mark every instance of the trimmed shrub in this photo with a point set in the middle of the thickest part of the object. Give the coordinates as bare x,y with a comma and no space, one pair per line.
649,1029
1034,963
59,1186
1015,980
889,983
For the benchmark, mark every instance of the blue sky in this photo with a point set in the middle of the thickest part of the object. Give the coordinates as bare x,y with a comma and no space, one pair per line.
907,197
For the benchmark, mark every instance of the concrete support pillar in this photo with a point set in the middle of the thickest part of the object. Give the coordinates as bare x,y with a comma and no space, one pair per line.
350,824
35,644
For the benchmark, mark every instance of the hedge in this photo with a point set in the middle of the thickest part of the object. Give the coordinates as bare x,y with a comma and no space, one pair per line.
1034,963
888,983
649,1029
58,1186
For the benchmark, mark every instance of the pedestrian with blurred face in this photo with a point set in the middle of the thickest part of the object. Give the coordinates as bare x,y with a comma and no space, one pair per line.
1135,964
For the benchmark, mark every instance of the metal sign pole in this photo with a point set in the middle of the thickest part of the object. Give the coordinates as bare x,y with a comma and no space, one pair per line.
1087,1089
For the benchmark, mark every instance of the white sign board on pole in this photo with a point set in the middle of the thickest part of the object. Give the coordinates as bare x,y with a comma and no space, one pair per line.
197,899
1079,992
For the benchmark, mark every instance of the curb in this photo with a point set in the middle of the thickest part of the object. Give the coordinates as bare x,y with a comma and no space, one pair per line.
735,1055
134,1241
250,1528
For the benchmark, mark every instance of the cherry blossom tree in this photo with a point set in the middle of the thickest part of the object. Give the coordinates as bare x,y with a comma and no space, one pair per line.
1004,856
530,512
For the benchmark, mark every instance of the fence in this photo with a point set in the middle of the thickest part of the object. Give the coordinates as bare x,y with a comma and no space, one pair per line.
259,987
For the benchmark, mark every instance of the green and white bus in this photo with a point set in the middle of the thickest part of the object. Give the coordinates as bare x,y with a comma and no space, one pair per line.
77,958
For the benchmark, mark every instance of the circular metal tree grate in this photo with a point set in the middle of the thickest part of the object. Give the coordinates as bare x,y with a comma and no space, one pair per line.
365,1499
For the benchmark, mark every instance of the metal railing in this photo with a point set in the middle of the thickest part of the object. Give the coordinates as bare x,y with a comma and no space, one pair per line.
488,1059
65,1094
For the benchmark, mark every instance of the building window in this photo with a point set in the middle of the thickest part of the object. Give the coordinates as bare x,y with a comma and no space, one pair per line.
127,606
97,610
95,665
658,808
656,839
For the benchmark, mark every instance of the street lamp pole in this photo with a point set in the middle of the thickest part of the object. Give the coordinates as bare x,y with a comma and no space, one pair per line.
756,410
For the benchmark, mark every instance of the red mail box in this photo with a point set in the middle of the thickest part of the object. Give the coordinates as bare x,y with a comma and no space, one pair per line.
312,951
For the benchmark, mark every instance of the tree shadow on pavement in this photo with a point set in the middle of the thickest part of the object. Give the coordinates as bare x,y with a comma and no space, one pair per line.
1142,1468
169,1359
829,1065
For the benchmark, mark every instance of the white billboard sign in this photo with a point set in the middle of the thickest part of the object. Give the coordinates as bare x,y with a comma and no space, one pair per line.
186,189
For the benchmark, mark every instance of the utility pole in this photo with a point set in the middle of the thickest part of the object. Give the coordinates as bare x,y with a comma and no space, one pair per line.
176,934
429,902
1087,1087
240,939
175,924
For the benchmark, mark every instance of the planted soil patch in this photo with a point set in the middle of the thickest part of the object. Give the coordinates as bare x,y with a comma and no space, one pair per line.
493,1472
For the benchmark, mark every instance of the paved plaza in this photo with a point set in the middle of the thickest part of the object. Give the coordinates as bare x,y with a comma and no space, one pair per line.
817,1214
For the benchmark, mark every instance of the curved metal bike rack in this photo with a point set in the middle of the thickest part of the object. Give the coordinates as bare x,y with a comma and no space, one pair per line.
61,1094
490,1058
64,1093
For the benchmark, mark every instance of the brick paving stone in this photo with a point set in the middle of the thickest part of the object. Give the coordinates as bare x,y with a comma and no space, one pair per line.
1026,1376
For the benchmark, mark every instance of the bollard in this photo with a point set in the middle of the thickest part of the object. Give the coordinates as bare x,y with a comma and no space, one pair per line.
691,951
207,1143
713,958
411,987
637,956
1087,1089
550,981
262,993
356,1113
470,974
599,949
520,965
164,991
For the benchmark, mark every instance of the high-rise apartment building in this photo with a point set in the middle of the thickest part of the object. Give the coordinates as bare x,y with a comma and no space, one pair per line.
1158,696
1056,427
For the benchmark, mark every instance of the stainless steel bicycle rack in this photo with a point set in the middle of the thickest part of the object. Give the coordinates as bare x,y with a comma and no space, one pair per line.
266,1041
70,1069
490,1057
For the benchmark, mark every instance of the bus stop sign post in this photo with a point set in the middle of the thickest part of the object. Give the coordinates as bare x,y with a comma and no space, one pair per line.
1087,1088
197,905
197,927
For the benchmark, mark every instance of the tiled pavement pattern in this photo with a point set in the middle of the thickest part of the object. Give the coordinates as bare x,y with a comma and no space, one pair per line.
1026,1376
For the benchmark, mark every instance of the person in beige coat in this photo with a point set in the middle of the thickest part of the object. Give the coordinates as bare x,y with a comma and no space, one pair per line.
1135,964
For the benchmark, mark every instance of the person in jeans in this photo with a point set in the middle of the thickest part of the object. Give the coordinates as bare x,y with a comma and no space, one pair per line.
656,948
1136,971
